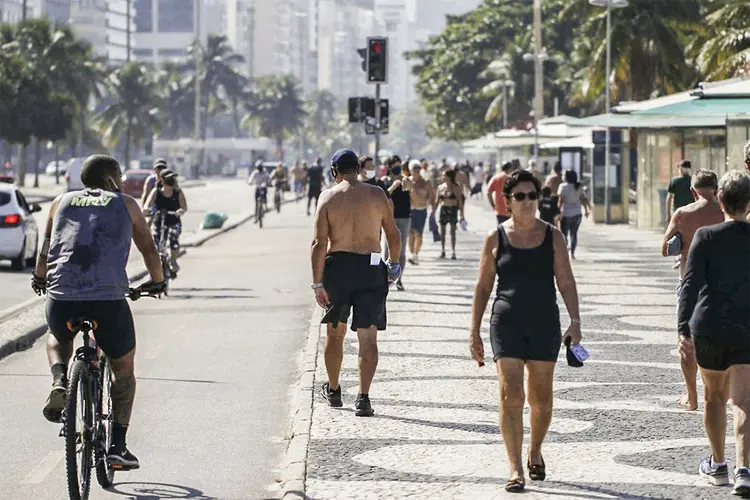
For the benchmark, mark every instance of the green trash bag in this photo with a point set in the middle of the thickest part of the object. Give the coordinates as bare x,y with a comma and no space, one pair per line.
213,220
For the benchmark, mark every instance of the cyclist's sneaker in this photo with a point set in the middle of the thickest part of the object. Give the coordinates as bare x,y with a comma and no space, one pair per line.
741,478
718,475
400,286
362,407
120,458
333,397
55,404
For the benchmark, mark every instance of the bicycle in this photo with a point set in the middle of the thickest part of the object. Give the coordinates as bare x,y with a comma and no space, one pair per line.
165,255
277,198
90,378
260,204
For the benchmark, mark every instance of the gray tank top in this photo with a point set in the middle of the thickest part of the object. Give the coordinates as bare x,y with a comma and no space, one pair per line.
91,236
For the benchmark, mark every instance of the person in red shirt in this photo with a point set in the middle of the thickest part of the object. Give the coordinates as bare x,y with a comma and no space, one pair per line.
495,193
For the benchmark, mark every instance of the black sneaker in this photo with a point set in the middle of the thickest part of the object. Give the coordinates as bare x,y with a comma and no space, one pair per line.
120,458
400,286
55,404
333,397
363,407
741,478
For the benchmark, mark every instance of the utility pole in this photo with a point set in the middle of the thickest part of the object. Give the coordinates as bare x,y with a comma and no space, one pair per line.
538,76
25,6
128,30
197,56
377,120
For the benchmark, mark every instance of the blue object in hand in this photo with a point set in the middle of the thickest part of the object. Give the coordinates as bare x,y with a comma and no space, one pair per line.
394,270
674,245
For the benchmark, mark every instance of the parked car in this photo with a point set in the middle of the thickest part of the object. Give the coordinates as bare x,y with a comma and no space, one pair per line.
19,234
73,174
61,167
134,180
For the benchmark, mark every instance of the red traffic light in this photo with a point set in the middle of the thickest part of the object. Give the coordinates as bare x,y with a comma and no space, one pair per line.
377,48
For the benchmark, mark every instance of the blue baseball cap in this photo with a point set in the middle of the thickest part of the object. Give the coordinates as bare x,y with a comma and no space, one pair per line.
346,159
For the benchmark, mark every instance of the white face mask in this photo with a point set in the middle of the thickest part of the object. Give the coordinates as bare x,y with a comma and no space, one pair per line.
369,174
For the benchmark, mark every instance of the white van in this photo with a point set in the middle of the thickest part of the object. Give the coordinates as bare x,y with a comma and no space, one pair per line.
73,175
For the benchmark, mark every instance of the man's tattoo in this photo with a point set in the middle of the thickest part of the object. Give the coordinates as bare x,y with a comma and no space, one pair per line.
44,252
123,394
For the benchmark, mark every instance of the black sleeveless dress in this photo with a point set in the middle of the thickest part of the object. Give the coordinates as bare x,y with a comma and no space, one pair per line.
525,321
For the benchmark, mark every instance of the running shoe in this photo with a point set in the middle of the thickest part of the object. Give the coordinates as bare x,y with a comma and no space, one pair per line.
741,478
55,404
718,476
400,286
120,458
333,397
362,406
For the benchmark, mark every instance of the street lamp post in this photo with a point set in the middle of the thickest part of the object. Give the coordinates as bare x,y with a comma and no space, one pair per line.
302,66
538,59
197,160
609,4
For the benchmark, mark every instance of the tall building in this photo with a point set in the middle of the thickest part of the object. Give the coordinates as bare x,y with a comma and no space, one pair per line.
104,23
165,28
11,11
397,18
57,11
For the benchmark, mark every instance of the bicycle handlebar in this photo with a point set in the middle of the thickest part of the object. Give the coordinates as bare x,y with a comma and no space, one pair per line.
136,293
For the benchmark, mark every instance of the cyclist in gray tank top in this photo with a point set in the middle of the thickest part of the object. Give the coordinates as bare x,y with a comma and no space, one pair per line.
90,247
82,265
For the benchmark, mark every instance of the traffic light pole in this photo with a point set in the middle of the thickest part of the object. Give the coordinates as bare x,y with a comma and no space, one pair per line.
377,121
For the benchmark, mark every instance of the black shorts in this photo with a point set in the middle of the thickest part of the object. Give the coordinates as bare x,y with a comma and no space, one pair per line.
313,193
448,215
524,338
721,352
115,333
351,282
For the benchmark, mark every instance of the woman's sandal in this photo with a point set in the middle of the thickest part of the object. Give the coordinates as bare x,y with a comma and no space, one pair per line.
515,485
536,472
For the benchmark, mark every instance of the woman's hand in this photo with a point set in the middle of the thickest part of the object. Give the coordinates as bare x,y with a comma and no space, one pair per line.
574,333
476,346
180,212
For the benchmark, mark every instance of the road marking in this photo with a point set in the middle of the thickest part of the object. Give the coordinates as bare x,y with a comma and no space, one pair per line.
47,465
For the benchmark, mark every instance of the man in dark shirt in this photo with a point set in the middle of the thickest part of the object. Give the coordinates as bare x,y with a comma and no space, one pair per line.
678,192
714,326
314,183
399,188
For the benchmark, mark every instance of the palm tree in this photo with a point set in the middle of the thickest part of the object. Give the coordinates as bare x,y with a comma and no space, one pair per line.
321,108
724,50
179,100
276,107
220,78
135,108
647,40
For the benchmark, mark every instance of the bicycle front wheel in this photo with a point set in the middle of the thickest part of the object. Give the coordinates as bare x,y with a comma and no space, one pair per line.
78,432
104,473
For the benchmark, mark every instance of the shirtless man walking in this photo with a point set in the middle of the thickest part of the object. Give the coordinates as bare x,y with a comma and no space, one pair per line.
348,272
705,211
422,194
554,180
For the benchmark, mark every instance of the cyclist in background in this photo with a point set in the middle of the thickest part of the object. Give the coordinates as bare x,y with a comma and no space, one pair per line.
168,196
152,181
82,266
260,180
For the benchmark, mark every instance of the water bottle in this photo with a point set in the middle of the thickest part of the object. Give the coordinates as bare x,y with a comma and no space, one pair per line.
92,343
464,224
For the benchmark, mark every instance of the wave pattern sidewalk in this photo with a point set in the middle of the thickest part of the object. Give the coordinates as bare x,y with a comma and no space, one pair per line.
616,432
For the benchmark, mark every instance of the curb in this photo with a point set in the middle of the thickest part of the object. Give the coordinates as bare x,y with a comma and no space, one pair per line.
294,473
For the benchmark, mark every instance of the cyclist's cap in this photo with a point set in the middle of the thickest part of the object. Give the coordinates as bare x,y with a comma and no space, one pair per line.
345,159
167,174
159,162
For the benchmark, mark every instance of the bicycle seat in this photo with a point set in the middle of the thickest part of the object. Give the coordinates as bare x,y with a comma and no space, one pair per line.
75,325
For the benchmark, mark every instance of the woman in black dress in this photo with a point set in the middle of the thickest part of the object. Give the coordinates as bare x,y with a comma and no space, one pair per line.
528,256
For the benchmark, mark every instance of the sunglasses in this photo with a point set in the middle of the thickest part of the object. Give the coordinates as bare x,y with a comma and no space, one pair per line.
521,196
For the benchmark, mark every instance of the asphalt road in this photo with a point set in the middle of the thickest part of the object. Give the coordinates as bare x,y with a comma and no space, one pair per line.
223,195
215,363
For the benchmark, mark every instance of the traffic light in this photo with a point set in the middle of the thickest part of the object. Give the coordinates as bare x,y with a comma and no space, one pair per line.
363,54
377,60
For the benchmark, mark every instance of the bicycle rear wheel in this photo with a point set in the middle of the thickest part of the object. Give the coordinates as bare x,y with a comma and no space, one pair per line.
79,439
277,202
259,209
104,473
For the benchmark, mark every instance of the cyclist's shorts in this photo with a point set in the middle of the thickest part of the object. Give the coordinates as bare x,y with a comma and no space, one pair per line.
115,333
173,235
351,282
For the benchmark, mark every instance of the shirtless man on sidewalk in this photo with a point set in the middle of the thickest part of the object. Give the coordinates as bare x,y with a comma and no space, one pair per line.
348,272
422,194
705,211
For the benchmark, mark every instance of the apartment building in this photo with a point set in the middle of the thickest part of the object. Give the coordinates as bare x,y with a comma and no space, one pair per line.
11,11
165,28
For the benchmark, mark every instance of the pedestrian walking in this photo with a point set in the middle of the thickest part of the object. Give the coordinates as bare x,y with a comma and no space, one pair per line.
495,193
479,177
449,198
528,256
679,193
422,195
348,272
315,181
399,187
686,220
572,201
714,326
554,180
